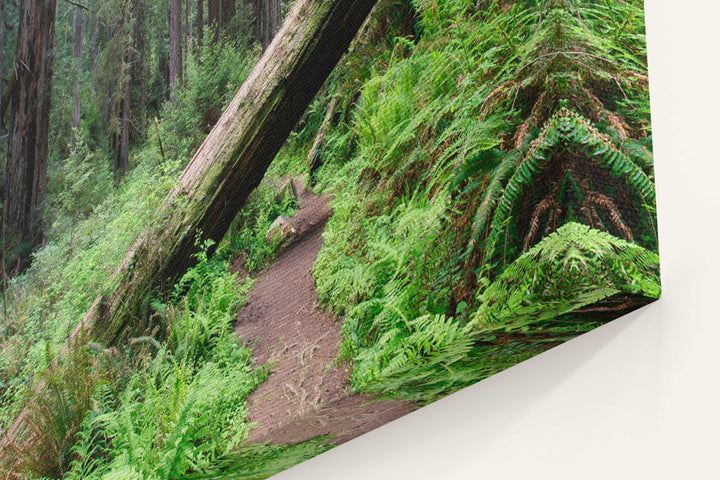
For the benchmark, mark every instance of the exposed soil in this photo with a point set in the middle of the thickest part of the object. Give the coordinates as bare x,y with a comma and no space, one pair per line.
305,396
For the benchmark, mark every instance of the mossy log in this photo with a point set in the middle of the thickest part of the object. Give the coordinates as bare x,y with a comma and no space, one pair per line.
227,167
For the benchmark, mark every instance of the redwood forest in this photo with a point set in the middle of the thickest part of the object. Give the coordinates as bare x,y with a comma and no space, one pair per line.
238,233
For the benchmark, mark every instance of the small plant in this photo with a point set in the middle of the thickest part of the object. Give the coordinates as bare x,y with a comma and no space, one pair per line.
56,416
247,234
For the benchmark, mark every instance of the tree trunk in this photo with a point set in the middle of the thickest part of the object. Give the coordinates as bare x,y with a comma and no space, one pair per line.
94,43
26,173
228,166
175,56
122,159
187,43
200,24
267,20
77,61
227,13
2,44
214,19
139,69
315,154
122,152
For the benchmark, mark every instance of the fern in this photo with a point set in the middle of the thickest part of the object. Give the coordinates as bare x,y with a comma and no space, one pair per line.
573,267
566,131
478,119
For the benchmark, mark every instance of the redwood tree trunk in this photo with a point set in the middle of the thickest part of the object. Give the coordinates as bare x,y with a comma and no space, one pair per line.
26,173
2,52
122,152
175,60
186,43
122,159
200,23
77,61
214,19
227,13
227,167
94,43
267,20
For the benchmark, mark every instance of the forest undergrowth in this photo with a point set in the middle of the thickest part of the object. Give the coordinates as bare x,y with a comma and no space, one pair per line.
450,135
190,360
484,136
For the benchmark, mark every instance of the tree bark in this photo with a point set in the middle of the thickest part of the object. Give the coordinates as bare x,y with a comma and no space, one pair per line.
186,44
267,20
139,69
175,55
77,64
200,24
2,52
122,152
94,43
122,160
227,13
315,155
227,167
26,173
214,19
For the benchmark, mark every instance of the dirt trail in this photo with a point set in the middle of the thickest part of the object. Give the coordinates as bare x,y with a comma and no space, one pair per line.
305,395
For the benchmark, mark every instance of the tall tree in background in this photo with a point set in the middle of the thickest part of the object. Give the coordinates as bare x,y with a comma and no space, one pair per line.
200,23
213,17
267,20
187,42
227,13
175,51
220,16
2,44
122,142
124,73
77,64
26,173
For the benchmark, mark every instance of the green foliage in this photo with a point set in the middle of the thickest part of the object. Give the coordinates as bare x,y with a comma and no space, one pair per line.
467,132
183,406
563,131
81,183
56,416
247,234
257,462
573,267
93,224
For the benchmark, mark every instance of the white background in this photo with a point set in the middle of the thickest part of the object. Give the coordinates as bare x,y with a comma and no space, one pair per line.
636,399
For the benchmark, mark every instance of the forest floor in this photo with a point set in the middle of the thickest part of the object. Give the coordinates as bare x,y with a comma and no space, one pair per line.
306,395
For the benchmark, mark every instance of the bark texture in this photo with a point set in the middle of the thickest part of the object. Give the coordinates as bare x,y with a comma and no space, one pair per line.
267,20
228,166
122,141
315,155
2,53
228,12
77,64
175,55
187,42
26,173
213,15
200,23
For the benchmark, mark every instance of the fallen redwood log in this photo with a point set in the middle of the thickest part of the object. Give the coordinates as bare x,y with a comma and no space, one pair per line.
227,167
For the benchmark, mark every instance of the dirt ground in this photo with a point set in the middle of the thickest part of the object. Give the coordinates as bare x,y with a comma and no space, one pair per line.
305,396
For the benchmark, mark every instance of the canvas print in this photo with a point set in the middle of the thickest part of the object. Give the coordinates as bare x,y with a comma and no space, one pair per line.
237,234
